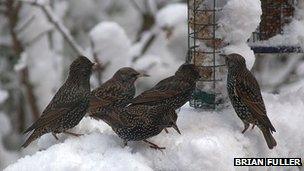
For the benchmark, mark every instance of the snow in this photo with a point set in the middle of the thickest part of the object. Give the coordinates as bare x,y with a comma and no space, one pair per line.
293,36
39,57
7,157
157,67
209,141
239,19
22,62
172,15
173,20
112,46
244,50
3,95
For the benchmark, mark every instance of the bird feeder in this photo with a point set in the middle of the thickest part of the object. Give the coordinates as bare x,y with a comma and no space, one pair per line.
204,48
275,15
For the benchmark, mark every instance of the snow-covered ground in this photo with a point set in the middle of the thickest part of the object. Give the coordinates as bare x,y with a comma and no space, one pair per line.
209,141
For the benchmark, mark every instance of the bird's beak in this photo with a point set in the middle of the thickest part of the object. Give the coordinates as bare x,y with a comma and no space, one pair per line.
142,75
176,128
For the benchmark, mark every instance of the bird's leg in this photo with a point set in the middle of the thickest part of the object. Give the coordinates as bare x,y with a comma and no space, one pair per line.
166,131
246,126
125,143
154,146
252,126
72,133
55,136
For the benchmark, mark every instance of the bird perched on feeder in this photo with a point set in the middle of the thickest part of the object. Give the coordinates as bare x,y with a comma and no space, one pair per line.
114,93
140,122
245,95
173,91
69,104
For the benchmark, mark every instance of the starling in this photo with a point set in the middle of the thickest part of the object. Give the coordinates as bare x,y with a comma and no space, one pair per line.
140,122
69,104
245,96
173,91
114,93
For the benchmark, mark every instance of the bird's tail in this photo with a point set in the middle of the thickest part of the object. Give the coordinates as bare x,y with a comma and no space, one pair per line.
31,138
271,142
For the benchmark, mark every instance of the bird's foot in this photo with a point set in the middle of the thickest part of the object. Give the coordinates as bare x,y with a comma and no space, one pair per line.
154,146
125,143
166,130
55,136
73,134
246,126
157,147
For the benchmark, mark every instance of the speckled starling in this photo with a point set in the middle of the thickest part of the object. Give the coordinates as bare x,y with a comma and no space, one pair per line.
245,96
140,122
69,104
173,91
114,93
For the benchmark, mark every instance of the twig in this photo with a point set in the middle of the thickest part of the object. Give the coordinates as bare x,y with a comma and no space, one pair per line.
145,47
25,24
40,35
100,67
30,93
136,6
60,27
148,18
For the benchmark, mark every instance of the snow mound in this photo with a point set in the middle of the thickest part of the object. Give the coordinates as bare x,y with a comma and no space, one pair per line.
109,35
112,46
240,18
172,15
209,141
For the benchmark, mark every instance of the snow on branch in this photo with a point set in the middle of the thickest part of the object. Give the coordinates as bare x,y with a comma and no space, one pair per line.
54,20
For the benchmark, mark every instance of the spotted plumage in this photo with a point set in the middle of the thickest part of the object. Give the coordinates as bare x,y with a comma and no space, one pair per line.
173,91
114,93
245,95
69,104
140,122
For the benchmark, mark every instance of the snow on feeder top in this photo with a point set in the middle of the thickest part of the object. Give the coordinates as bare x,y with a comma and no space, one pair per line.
276,14
204,47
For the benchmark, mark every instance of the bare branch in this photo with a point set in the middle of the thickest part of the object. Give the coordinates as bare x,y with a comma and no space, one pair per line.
56,22
148,18
25,24
145,47
136,6
12,14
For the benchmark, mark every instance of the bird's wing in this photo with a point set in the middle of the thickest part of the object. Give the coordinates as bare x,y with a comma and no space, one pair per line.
53,113
165,89
138,114
105,95
248,90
